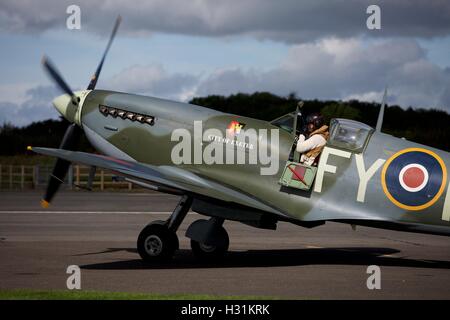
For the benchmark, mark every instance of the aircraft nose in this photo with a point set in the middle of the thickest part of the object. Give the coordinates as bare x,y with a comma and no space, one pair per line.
69,106
65,106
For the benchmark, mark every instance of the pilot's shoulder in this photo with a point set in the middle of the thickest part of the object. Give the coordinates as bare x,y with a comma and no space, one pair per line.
318,139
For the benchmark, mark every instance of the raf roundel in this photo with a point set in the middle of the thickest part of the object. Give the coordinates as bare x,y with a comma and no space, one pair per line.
414,178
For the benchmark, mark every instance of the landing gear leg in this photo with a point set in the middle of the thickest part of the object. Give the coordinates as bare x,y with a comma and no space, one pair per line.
209,239
158,240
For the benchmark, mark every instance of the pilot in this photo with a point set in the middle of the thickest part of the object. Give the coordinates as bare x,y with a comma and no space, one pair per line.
317,132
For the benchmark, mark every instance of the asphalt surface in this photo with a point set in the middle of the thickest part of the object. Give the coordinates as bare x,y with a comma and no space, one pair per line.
98,231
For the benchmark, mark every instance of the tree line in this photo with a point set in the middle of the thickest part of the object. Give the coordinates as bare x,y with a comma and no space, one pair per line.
426,126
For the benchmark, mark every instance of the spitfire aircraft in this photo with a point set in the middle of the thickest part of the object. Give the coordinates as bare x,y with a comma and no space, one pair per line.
364,177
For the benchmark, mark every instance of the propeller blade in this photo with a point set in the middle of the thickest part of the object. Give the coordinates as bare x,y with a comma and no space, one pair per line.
94,78
73,132
69,142
56,76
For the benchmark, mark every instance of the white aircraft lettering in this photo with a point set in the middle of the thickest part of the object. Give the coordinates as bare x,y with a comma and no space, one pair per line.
446,211
324,167
365,176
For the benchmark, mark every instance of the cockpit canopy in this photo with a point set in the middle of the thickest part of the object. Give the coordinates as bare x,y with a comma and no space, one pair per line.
286,122
349,135
344,133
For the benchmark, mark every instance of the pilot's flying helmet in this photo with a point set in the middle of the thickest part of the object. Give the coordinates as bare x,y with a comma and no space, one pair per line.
316,119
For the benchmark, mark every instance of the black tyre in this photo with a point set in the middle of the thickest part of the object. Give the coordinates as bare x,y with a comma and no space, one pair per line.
211,252
157,243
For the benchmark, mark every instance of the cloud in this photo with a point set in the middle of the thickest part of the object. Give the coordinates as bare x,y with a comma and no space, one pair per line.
345,69
326,69
21,104
290,21
153,80
36,107
14,92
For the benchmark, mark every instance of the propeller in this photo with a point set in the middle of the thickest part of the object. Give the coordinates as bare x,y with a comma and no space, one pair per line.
73,132
55,74
95,76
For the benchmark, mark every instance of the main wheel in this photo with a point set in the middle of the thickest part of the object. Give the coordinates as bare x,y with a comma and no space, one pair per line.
156,242
210,252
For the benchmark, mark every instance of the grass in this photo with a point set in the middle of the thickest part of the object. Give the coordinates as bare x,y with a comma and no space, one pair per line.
26,294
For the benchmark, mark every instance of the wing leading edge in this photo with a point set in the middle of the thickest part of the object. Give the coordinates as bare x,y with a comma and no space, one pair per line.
168,177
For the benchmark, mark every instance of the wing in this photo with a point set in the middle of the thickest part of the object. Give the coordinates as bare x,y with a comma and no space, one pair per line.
169,179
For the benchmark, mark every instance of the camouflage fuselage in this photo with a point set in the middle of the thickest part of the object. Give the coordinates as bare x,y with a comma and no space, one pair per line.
337,199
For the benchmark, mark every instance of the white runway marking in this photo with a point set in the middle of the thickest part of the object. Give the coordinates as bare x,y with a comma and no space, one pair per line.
313,247
148,194
88,212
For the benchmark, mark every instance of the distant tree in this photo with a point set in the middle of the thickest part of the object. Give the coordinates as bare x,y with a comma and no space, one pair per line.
430,127
48,133
7,126
340,110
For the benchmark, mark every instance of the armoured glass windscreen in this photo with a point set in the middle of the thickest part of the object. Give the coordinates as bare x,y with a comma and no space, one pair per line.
349,135
286,122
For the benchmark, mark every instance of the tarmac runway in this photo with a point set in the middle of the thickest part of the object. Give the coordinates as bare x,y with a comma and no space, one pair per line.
98,231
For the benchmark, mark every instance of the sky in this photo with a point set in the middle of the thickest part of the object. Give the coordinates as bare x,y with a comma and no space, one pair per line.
178,49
